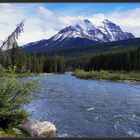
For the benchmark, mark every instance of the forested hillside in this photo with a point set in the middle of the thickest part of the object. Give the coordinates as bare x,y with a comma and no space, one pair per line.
83,50
123,58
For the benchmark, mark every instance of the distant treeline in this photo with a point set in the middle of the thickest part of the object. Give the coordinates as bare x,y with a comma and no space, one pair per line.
127,60
22,63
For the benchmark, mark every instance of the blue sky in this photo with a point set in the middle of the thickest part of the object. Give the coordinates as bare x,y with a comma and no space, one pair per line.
45,19
90,8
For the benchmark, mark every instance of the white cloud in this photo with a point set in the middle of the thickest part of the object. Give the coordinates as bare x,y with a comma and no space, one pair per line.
42,23
127,20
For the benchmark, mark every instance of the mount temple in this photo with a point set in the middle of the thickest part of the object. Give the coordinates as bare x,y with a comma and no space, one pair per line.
82,33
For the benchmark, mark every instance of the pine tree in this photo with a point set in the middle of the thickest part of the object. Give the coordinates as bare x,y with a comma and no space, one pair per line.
17,57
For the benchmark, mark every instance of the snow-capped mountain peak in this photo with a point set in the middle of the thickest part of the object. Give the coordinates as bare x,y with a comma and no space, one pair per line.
85,32
107,31
84,24
113,31
82,29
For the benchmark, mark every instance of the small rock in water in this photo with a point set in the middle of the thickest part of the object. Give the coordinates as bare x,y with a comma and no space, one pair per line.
92,108
96,118
36,128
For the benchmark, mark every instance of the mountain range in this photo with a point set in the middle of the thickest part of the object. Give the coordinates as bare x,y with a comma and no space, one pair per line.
83,33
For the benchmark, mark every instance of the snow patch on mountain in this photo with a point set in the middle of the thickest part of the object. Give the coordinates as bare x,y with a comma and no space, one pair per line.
113,31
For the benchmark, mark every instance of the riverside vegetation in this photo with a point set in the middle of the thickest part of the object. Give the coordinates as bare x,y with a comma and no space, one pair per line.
119,65
14,93
109,75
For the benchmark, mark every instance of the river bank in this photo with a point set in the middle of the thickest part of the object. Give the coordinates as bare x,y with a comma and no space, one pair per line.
129,77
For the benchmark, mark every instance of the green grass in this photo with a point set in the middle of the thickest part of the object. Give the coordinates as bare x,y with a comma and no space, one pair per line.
108,75
11,133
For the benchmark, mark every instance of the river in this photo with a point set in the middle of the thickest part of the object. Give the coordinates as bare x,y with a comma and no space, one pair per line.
87,108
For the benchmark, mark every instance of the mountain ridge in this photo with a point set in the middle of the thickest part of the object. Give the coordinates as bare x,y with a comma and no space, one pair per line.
82,33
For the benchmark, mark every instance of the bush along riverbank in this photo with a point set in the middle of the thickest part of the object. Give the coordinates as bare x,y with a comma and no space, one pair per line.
14,94
13,132
109,75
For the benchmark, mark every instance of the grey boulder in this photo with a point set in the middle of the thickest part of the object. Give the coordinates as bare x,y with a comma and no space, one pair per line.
36,128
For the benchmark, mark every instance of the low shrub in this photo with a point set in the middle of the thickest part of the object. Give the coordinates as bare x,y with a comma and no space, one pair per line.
108,75
13,95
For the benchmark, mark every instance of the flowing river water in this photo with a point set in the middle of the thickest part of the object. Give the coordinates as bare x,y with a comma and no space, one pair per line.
87,108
